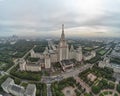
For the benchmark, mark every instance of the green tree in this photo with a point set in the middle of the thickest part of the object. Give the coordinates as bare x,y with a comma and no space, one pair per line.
95,89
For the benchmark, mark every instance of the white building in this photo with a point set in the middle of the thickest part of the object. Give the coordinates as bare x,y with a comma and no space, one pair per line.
89,55
79,54
6,84
30,90
16,90
106,63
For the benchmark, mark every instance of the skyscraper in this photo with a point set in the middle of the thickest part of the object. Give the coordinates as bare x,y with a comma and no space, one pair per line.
63,48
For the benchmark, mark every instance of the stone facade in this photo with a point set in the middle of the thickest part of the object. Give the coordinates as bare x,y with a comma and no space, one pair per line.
55,53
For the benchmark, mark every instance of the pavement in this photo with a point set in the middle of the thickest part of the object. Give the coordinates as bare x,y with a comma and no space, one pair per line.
49,93
72,73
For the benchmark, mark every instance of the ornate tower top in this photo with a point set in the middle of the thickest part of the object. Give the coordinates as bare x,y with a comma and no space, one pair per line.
62,35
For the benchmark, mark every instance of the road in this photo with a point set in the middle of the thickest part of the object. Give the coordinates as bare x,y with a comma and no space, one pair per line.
76,72
72,73
49,93
16,63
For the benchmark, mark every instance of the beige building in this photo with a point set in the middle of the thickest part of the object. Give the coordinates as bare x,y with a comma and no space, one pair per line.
63,48
53,53
91,77
22,64
89,55
106,63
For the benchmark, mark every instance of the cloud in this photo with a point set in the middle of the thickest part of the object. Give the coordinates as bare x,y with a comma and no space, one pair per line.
37,17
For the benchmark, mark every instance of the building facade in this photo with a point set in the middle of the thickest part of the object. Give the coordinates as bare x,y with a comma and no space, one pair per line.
55,53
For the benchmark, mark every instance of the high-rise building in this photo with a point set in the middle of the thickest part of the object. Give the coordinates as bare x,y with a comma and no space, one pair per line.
55,53
63,48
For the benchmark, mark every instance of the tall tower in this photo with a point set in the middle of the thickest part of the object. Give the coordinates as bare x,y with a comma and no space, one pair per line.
63,47
62,35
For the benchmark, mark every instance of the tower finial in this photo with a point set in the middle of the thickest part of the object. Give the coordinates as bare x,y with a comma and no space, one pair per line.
62,28
62,35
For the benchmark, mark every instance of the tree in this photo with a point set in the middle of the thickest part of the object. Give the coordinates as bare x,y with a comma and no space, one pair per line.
95,89
118,88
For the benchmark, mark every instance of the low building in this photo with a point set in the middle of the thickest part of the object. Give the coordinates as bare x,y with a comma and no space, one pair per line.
6,84
115,67
30,90
33,67
16,90
104,63
91,77
66,64
36,55
22,64
89,55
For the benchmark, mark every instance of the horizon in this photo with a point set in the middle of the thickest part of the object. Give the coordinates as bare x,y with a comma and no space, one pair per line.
38,18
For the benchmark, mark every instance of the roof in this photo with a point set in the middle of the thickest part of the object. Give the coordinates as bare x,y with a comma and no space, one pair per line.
31,88
33,64
7,82
17,88
41,61
66,62
21,61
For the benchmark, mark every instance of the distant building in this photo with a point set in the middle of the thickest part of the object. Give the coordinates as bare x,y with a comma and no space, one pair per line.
106,63
16,90
89,55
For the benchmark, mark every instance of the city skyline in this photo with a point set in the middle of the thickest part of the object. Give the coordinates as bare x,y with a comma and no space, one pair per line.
88,18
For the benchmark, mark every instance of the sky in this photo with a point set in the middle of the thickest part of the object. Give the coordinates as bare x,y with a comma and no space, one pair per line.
84,18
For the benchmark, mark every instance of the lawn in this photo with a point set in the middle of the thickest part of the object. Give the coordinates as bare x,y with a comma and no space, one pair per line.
35,76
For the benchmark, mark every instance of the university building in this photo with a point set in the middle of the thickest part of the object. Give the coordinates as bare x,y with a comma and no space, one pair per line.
53,53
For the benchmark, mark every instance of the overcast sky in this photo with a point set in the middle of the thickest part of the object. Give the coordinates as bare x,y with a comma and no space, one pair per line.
45,17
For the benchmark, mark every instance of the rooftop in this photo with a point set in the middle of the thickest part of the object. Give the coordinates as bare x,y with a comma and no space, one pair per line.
7,82
30,89
17,88
66,62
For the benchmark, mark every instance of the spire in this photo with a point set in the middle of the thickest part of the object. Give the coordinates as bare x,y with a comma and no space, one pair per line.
62,35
